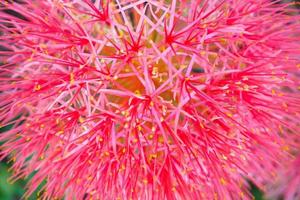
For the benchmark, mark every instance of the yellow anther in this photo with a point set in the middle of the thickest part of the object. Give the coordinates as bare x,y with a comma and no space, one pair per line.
161,140
13,159
93,192
229,114
78,180
280,128
151,104
137,92
167,15
164,110
72,80
43,46
125,113
246,87
151,41
202,53
139,127
81,120
60,132
154,71
135,140
280,94
201,125
224,157
122,168
127,69
216,196
153,156
106,153
223,181
121,33
151,136
37,87
273,92
153,129
145,181
100,139
242,194
222,40
285,148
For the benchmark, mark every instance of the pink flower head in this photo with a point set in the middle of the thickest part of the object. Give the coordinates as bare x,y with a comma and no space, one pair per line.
152,99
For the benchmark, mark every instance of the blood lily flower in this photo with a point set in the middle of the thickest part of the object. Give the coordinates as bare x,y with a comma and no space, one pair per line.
151,99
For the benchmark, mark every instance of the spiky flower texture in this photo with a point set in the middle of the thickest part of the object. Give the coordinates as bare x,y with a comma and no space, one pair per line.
149,99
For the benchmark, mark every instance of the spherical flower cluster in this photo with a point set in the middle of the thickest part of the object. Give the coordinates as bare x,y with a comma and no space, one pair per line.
156,99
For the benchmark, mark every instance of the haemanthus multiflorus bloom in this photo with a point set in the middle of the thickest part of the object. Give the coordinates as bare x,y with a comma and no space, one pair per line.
138,99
